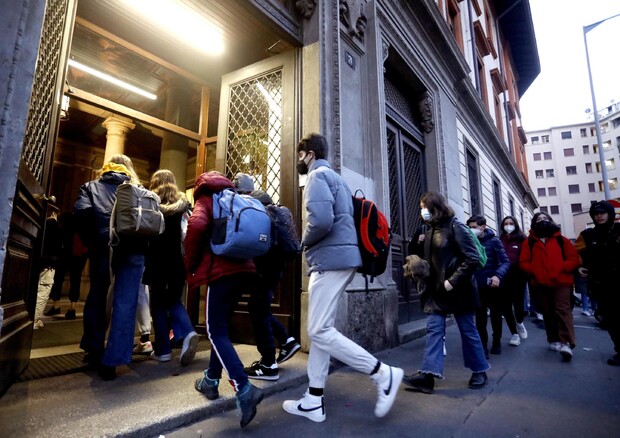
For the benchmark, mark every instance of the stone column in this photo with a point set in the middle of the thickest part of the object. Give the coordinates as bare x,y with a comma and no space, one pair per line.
173,147
117,129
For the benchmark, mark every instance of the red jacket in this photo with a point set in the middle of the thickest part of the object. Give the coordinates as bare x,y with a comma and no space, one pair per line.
544,263
201,265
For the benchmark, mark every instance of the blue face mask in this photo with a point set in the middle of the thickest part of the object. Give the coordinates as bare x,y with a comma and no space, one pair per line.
426,214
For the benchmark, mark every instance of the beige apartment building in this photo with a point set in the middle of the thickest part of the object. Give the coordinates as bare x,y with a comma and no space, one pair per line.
565,168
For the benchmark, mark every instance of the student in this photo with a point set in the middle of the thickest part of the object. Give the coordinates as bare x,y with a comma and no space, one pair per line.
515,280
269,268
93,209
52,247
224,279
493,295
165,274
330,243
450,289
599,248
549,259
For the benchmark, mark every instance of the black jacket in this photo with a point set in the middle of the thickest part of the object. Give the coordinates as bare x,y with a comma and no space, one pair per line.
599,248
450,250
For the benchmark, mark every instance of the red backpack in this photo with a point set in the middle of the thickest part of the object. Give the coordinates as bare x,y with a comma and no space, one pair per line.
373,237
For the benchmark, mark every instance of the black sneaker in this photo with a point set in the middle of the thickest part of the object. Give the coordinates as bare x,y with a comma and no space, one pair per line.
496,348
478,380
247,400
262,372
70,314
53,311
421,382
288,350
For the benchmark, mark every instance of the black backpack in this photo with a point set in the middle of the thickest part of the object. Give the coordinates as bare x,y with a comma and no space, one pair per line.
284,237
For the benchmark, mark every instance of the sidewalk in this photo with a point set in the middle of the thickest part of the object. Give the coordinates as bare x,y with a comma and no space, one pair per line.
148,398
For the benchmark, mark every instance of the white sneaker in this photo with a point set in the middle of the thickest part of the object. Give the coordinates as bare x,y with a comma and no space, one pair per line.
190,344
521,330
38,324
309,406
388,381
515,340
539,316
566,352
143,348
554,346
162,358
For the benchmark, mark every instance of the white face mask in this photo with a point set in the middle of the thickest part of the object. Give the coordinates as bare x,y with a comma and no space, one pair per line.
477,231
426,215
509,228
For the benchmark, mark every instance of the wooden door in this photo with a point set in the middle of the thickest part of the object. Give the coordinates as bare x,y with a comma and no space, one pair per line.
407,185
21,268
257,134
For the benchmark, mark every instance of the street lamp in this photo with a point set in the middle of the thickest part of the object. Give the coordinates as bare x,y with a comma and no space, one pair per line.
597,122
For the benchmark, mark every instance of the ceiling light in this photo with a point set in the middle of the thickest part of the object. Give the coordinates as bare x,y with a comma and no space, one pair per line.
182,22
111,79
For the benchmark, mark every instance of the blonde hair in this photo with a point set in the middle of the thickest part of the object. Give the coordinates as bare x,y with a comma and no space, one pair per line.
126,161
165,185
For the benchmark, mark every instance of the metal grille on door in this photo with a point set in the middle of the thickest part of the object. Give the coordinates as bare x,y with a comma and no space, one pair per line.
254,141
42,102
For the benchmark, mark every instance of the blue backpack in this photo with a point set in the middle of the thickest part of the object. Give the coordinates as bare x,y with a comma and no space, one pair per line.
241,226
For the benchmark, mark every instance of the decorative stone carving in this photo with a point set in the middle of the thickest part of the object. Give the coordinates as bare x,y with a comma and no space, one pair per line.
345,13
426,113
305,7
385,50
360,26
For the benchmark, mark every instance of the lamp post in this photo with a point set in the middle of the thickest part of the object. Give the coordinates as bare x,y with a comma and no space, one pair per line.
597,122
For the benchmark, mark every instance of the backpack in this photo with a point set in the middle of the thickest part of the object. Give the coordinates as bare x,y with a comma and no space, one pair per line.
284,238
373,237
241,226
136,212
482,252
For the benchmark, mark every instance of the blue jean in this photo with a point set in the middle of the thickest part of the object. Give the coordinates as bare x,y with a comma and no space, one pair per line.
128,269
473,355
265,325
222,297
95,320
168,314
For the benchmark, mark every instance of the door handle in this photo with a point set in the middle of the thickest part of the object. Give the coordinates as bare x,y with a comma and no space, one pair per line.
49,199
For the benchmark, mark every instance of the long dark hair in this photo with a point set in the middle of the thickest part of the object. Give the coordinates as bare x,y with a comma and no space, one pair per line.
438,205
537,215
516,232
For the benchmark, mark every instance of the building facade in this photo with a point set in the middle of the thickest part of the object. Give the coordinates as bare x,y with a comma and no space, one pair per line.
412,96
565,168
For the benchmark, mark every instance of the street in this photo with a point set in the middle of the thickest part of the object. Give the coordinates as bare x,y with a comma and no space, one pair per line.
530,393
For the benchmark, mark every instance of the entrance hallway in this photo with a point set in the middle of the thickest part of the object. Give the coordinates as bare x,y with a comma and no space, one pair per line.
530,393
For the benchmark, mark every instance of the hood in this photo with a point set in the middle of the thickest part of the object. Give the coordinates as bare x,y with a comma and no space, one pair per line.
607,207
115,167
114,177
488,233
211,182
318,163
176,207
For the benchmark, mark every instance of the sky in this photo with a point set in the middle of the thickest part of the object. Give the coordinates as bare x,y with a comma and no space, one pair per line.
560,95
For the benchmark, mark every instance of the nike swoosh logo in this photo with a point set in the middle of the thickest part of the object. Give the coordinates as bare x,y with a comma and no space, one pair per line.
389,388
299,408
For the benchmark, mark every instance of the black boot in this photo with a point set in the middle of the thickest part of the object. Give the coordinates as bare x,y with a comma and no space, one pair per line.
496,348
421,382
478,380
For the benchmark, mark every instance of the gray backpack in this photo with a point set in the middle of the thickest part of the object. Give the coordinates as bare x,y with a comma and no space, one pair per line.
135,213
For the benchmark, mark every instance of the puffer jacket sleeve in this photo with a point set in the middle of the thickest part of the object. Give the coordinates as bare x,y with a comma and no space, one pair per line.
573,261
84,216
197,238
468,257
525,257
503,262
319,202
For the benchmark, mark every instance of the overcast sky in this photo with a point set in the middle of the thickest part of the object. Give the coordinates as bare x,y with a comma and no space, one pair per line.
560,94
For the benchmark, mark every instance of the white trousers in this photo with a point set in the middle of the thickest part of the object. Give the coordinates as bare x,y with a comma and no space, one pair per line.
46,281
325,290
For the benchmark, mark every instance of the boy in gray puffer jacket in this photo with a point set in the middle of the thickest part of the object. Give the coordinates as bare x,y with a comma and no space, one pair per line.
330,244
